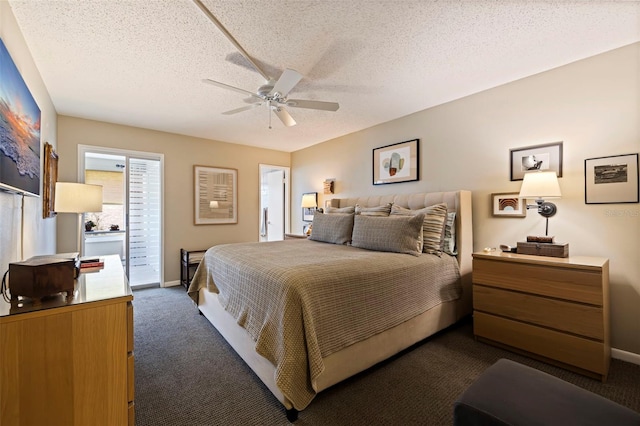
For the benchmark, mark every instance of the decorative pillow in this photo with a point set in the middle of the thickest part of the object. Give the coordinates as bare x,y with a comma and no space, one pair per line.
433,227
374,211
350,209
332,228
400,234
449,241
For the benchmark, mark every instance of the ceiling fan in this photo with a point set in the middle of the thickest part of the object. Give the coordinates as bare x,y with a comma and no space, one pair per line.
274,93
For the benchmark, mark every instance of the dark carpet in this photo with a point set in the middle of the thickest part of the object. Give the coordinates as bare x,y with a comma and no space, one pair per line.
186,374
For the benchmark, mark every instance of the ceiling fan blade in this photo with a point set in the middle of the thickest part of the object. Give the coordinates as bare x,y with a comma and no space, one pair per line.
301,103
287,81
244,108
226,86
284,116
229,37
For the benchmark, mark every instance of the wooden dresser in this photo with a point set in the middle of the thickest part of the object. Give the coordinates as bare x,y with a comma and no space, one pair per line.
70,362
553,309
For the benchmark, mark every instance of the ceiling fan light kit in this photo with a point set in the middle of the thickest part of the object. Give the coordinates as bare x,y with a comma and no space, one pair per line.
273,92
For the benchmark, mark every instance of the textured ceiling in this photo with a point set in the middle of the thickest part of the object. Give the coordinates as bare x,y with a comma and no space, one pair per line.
141,62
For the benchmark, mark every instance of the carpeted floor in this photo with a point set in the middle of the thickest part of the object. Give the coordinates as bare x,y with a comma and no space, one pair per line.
186,374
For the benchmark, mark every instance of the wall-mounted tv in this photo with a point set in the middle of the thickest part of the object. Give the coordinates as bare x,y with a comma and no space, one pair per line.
19,131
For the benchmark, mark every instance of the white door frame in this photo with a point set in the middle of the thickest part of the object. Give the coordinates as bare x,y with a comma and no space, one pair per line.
264,168
83,149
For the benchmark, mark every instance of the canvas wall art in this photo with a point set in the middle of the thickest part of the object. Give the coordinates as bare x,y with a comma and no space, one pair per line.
19,131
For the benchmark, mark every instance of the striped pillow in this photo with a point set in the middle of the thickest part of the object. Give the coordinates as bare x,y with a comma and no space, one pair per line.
374,211
449,241
395,234
433,227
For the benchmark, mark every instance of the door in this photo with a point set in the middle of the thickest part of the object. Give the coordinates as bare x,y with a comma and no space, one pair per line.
274,214
130,224
274,202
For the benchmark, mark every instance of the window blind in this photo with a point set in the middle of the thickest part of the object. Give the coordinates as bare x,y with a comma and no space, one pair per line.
144,221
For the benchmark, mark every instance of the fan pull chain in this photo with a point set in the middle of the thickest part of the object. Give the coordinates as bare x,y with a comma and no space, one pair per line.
269,108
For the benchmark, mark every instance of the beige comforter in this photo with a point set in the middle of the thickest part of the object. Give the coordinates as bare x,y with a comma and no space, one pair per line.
302,300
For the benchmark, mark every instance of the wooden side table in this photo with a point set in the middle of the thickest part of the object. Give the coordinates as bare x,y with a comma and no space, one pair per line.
189,261
553,309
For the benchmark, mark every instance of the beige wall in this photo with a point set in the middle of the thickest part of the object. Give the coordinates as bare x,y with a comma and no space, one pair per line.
39,234
181,153
593,106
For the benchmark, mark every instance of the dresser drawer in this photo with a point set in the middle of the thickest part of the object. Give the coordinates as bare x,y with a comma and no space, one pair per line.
130,378
572,350
576,318
131,414
129,327
553,281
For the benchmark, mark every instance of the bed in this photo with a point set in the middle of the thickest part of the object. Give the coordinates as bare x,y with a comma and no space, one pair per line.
305,314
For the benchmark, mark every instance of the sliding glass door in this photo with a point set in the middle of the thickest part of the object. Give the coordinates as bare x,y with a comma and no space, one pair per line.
130,223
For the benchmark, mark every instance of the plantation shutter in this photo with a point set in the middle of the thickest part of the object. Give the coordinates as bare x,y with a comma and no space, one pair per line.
144,221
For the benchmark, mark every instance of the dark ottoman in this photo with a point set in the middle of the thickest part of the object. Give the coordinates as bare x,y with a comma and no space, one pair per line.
508,393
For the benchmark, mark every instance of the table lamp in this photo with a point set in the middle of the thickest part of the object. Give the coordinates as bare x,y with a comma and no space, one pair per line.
77,198
541,185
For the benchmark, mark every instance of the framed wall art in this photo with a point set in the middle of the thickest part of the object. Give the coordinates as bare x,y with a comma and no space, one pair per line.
50,176
507,204
538,157
216,195
611,180
396,163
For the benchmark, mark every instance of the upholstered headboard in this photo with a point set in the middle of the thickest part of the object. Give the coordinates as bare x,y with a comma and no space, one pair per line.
457,201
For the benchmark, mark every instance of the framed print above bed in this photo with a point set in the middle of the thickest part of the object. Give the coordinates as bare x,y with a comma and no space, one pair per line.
216,195
396,163
611,180
507,204
538,157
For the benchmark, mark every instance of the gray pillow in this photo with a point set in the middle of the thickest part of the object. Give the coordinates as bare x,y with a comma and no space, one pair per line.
374,211
433,227
333,228
350,209
399,234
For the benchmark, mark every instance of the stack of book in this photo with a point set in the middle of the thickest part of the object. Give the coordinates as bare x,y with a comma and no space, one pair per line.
91,264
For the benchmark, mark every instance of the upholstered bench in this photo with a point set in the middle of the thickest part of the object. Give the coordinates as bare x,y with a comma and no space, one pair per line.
508,393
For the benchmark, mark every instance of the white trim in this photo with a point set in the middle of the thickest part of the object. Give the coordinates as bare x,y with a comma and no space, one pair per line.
171,283
625,356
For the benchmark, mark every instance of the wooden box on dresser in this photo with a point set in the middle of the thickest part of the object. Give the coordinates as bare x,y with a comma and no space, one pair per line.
70,361
553,309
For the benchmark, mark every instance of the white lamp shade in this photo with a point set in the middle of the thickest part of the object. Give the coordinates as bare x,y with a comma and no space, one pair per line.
308,201
540,185
77,198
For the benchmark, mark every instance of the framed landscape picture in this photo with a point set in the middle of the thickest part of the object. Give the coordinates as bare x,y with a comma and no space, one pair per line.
611,180
216,195
538,157
396,163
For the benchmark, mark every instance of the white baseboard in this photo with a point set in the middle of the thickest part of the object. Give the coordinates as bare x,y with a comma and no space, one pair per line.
171,283
625,356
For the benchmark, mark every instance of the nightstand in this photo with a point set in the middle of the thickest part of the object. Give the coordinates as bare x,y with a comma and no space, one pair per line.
553,309
189,261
